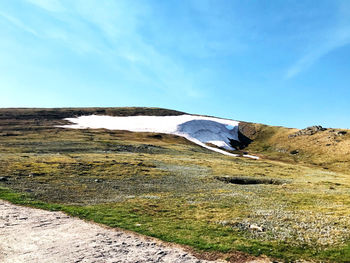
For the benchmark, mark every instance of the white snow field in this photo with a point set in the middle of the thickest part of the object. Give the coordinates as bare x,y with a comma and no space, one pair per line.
197,129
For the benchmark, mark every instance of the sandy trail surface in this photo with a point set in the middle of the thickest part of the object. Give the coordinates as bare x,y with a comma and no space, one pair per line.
34,235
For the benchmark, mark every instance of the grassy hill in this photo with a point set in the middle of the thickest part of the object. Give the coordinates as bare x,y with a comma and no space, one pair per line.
328,149
286,206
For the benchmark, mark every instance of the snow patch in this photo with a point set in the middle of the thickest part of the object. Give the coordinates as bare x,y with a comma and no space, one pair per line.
197,129
251,156
230,127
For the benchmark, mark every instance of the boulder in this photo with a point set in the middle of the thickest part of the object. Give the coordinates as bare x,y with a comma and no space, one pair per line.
341,133
294,152
308,131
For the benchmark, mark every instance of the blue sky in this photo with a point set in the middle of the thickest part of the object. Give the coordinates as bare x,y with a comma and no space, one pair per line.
275,62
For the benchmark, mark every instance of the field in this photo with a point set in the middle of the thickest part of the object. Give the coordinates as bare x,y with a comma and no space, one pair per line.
291,208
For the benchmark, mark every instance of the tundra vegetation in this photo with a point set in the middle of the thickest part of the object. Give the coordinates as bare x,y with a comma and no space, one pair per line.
292,204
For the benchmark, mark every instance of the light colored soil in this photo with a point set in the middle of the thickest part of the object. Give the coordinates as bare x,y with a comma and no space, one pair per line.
34,235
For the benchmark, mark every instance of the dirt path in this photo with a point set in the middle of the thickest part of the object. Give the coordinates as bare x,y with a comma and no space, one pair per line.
34,235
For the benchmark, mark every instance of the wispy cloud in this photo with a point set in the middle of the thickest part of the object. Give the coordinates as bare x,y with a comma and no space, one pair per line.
110,33
342,38
339,39
336,37
49,5
18,23
120,27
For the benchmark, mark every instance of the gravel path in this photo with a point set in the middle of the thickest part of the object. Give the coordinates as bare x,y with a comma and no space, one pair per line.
34,235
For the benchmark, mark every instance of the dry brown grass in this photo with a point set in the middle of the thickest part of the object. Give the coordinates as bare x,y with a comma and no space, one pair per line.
324,149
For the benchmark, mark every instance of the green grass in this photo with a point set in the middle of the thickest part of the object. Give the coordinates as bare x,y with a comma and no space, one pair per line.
177,226
166,187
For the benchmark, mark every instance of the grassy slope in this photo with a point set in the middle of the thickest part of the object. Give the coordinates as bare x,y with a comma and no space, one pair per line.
166,187
324,149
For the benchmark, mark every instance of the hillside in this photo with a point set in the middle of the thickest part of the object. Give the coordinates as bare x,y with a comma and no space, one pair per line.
325,148
285,205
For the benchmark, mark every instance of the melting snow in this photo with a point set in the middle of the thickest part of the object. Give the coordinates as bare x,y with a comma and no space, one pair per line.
198,129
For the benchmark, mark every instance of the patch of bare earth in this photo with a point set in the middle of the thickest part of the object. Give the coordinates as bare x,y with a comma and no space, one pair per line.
34,235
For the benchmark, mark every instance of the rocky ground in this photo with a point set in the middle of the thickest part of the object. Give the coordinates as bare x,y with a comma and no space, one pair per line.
34,235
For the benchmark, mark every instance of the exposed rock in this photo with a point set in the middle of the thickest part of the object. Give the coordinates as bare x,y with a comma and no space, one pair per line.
341,133
294,152
35,174
3,179
243,140
281,150
308,131
256,228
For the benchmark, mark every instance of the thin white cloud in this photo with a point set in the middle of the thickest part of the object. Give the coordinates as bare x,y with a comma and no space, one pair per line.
118,25
342,38
15,21
109,31
337,37
49,5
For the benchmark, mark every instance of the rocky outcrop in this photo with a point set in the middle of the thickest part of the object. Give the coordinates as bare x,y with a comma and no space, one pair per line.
245,132
308,131
341,133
